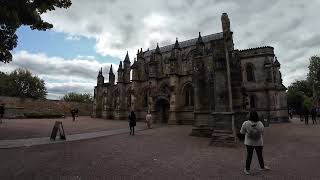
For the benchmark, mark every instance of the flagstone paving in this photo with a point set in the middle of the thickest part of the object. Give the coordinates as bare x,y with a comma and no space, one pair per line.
291,150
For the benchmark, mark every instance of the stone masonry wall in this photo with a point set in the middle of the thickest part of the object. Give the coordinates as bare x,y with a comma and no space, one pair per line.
19,105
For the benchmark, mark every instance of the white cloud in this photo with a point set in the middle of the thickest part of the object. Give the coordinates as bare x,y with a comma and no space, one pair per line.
118,26
61,75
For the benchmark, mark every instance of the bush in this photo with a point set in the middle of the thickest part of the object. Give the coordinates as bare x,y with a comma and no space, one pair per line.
40,115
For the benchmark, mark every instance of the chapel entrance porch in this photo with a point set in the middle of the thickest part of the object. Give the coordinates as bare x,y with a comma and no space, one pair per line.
162,107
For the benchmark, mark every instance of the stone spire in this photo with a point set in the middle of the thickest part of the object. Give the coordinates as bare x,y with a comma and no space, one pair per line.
100,78
176,45
276,62
111,76
100,72
158,49
111,71
120,66
127,59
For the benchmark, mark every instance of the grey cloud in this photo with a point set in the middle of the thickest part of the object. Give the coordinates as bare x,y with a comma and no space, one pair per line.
60,75
288,25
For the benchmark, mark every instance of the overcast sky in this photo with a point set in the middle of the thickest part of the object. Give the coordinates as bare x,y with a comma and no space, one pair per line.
97,33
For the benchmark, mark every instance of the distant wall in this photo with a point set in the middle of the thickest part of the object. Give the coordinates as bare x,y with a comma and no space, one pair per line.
17,106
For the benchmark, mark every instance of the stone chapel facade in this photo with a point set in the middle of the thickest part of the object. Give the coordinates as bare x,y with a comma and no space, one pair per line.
200,81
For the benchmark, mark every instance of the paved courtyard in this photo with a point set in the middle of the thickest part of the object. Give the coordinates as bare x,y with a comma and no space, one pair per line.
31,128
291,150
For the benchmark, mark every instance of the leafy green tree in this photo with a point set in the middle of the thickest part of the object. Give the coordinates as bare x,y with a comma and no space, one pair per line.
303,86
78,97
314,74
295,100
4,83
22,83
15,13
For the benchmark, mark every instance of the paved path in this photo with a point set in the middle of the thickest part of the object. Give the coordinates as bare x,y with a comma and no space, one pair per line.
5,144
12,129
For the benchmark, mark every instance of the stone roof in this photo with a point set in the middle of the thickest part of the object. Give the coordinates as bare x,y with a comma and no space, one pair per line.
187,43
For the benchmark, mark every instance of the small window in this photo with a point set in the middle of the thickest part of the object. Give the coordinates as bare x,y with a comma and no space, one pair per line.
145,100
250,73
252,102
188,96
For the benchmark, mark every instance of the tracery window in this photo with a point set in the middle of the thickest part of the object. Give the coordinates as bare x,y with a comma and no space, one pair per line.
250,73
252,102
188,96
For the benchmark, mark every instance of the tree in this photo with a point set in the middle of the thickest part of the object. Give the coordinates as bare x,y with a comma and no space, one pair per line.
295,100
301,86
78,97
22,83
14,13
314,74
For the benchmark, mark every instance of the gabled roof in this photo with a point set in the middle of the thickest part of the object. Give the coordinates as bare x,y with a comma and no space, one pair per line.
187,43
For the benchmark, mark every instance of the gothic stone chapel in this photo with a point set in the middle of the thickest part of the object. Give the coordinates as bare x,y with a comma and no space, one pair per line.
202,81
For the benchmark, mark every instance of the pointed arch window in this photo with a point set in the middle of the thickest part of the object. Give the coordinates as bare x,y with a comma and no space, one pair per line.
188,96
145,102
252,102
250,73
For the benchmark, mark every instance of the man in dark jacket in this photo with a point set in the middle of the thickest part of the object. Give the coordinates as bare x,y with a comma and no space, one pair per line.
314,115
132,122
1,112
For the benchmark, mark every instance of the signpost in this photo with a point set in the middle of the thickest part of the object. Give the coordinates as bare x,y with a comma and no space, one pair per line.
57,127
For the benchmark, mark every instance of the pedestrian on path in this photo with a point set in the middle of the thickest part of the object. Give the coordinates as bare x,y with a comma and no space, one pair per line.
314,115
253,131
149,119
73,114
132,122
1,112
306,115
290,113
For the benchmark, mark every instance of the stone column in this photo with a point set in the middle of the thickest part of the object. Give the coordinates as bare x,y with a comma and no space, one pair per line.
173,99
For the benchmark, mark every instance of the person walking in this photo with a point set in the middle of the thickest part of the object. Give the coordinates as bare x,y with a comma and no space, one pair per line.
73,114
149,119
1,112
314,115
253,130
306,115
290,113
132,122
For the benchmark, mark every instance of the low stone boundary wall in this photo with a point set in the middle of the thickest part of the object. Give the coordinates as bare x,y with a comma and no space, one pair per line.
16,107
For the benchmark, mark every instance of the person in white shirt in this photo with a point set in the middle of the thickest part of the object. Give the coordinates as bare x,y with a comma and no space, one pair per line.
253,130
149,119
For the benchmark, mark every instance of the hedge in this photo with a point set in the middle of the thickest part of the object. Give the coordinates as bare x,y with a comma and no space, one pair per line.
40,115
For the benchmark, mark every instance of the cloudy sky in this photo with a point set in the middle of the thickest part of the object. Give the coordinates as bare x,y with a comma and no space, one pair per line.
97,33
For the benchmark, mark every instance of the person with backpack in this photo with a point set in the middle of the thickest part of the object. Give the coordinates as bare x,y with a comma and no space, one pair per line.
132,122
253,131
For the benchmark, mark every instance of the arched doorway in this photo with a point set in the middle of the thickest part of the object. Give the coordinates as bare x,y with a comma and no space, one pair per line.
162,107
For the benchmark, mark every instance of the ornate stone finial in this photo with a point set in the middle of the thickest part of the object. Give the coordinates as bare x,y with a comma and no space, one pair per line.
120,65
158,49
141,50
276,62
176,45
111,71
138,51
199,41
126,59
